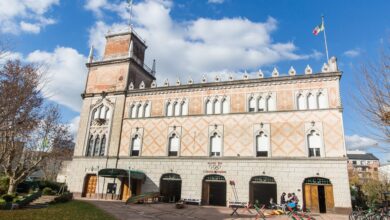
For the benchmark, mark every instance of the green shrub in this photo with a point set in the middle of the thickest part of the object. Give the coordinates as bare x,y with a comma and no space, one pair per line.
8,197
53,185
48,191
4,181
64,198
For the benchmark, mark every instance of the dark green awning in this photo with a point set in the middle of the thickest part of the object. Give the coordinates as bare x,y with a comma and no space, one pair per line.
120,173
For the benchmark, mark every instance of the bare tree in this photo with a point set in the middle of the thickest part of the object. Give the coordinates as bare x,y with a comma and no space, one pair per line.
28,128
374,98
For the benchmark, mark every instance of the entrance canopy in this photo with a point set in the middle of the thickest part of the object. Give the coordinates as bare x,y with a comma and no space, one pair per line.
120,173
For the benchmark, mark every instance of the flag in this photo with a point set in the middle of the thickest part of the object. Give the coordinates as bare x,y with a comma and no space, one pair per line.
318,28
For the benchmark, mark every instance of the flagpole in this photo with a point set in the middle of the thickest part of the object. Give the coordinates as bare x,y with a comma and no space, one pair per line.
326,44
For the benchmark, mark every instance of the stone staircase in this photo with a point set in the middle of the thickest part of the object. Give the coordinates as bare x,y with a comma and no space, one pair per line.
41,202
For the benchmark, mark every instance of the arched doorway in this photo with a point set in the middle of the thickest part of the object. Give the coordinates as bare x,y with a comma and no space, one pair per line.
90,182
318,194
170,187
214,190
262,189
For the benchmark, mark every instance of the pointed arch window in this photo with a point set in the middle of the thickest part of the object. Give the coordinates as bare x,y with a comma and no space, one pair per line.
139,111
215,145
90,146
321,100
135,145
96,146
103,146
314,142
262,145
271,104
184,107
173,145
252,104
311,101
301,105
147,110
176,109
225,106
209,107
262,104
169,109
217,106
133,111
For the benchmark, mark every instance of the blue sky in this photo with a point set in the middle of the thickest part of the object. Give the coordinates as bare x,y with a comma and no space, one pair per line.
195,37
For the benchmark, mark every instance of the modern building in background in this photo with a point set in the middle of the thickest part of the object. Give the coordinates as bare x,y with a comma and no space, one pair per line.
364,165
190,140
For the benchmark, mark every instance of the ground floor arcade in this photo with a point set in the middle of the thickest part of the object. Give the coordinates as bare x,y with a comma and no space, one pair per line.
321,185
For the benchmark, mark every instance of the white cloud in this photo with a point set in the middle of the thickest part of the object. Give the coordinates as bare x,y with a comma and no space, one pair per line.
74,125
357,142
352,53
199,46
215,1
25,15
66,75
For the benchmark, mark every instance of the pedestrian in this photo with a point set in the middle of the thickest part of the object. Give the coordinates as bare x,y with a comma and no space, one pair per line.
283,198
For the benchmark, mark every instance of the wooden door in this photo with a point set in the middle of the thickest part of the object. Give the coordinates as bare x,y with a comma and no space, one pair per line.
125,191
329,201
205,193
90,185
307,194
314,198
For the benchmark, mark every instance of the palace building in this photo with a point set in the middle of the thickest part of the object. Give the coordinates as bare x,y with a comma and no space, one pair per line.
211,142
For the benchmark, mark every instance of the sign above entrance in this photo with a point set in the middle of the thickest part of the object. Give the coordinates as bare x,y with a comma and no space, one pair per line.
214,167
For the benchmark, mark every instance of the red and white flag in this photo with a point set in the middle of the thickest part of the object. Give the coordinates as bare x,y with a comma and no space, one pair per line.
318,28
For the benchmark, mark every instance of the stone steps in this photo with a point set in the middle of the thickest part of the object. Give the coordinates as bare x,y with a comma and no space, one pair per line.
41,202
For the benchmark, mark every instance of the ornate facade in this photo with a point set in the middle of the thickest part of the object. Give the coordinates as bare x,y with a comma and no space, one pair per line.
190,140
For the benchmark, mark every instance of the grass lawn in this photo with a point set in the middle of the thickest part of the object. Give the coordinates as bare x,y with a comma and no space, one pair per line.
73,210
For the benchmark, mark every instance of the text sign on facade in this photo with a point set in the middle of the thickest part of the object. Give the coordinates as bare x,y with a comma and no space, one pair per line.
214,167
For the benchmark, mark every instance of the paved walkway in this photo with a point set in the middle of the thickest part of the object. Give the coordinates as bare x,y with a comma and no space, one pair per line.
169,212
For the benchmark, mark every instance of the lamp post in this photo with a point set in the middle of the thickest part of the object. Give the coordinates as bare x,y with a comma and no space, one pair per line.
129,182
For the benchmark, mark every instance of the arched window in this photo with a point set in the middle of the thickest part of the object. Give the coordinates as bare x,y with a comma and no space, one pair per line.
147,110
173,145
95,113
133,111
139,111
252,104
301,104
135,145
271,103
107,114
209,107
311,101
103,146
261,104
217,106
225,106
102,110
215,145
314,142
96,146
184,107
321,100
169,109
90,146
262,145
177,108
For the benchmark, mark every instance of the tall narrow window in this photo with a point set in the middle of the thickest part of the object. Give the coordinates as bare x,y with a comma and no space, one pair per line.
209,107
271,103
97,146
169,109
322,102
133,111
252,104
314,143
311,101
301,105
184,107
262,105
147,110
225,106
139,111
215,145
262,145
103,146
217,106
96,113
108,113
90,146
176,108
103,110
135,145
174,143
